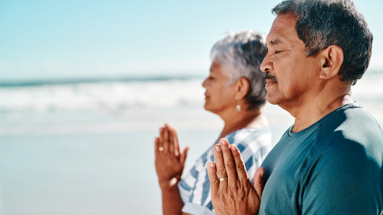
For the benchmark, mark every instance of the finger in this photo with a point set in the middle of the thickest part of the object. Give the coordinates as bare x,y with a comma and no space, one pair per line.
258,182
176,143
219,162
166,139
240,166
161,136
229,160
160,146
156,146
184,155
162,140
171,139
212,172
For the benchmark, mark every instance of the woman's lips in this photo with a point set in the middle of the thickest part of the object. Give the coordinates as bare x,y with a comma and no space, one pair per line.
206,96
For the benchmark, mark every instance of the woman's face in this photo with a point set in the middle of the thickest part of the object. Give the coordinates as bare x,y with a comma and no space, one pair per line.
219,95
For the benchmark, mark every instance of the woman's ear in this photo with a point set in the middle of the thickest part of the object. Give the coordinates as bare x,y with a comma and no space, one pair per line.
242,87
331,60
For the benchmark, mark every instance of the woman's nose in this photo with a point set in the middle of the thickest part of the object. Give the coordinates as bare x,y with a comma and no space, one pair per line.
204,83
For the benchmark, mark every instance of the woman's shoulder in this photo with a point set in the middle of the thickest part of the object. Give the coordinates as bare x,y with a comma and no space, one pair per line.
248,136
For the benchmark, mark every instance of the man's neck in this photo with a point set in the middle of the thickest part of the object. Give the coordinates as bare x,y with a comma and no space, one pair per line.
312,110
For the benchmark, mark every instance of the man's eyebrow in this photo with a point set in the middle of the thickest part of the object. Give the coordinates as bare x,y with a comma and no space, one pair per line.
276,42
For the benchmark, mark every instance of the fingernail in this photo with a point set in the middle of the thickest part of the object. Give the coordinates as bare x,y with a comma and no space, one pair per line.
217,148
223,142
262,173
211,164
232,147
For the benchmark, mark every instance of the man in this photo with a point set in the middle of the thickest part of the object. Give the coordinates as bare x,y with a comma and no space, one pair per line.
330,161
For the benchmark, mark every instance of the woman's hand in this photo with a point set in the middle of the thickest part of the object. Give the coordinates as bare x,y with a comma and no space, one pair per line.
231,189
170,162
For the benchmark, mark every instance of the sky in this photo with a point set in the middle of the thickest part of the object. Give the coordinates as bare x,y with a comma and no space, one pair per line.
82,39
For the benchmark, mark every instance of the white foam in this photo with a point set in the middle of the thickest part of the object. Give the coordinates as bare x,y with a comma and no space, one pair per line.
109,96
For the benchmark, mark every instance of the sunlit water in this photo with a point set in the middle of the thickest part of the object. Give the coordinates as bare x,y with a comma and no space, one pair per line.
87,148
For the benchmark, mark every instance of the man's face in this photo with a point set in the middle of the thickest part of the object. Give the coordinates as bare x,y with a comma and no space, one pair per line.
218,96
290,74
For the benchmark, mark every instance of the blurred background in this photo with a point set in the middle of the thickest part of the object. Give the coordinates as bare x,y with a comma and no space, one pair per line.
85,85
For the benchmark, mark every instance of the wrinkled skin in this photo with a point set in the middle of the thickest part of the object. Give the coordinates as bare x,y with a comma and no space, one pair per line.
236,195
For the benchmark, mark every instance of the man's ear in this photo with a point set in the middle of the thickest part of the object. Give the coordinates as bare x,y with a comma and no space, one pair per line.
331,60
242,87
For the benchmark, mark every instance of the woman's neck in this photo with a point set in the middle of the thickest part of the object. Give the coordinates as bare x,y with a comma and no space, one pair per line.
243,119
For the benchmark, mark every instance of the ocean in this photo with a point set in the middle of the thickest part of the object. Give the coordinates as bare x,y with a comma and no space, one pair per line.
86,146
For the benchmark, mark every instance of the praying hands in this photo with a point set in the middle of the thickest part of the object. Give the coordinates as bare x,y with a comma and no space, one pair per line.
231,189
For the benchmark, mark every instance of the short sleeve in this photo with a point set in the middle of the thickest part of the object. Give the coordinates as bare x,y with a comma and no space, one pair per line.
342,179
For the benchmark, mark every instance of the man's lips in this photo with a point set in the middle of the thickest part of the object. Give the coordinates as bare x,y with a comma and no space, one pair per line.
270,79
270,82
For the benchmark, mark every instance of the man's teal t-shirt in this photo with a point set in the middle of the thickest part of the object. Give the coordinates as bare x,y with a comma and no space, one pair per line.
332,167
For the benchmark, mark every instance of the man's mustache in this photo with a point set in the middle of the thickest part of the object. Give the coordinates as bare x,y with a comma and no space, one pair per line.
268,76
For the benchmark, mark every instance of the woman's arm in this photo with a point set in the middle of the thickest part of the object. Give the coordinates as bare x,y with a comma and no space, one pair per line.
171,201
170,163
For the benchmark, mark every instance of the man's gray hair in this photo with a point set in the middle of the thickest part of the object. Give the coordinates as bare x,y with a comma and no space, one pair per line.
244,51
322,23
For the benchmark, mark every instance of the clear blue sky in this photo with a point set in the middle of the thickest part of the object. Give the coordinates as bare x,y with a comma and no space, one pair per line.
51,39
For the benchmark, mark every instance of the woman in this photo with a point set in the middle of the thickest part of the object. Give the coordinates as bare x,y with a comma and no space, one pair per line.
234,91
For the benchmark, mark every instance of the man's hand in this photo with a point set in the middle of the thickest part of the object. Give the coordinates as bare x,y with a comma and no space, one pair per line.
170,162
232,191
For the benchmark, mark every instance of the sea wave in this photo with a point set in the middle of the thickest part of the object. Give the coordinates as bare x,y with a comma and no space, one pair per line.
102,96
48,82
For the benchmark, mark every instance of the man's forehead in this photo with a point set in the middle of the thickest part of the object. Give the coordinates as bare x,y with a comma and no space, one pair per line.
282,29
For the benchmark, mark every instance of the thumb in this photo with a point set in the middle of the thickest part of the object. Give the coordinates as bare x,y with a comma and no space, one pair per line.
184,154
258,182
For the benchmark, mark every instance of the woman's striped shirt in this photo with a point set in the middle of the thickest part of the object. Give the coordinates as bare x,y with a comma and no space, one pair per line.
253,143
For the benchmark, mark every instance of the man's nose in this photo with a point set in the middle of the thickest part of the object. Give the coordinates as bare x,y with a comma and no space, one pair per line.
266,64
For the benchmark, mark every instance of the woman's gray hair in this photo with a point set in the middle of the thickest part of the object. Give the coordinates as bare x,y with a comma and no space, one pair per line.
244,51
322,23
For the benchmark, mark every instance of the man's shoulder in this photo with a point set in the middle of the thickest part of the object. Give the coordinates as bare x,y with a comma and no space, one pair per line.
352,123
351,133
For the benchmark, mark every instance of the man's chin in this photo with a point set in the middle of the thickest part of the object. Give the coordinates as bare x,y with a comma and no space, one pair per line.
271,99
